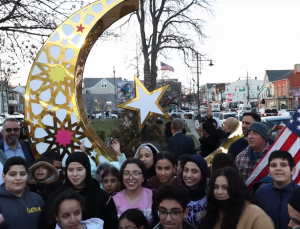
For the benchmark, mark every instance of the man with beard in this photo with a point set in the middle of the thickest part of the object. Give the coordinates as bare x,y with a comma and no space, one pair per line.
242,143
11,145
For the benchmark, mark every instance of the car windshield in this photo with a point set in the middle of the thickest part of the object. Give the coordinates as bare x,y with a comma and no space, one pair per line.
246,108
271,111
271,123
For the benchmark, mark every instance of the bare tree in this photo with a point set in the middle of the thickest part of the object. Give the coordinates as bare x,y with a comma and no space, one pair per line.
25,24
168,25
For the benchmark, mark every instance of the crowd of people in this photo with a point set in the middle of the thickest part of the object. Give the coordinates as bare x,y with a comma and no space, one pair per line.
156,189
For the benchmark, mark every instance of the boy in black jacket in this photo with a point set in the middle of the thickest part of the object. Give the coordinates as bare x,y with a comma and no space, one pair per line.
20,207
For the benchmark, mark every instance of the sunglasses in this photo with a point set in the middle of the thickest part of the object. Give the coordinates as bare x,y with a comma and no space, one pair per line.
9,130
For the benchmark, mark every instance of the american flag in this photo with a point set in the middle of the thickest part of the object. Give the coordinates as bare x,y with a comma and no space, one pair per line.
288,140
165,67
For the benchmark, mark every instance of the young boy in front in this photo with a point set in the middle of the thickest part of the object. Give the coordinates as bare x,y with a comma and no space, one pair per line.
273,197
172,201
19,207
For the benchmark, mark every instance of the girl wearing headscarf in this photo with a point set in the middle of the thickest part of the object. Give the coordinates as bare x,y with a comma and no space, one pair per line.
78,178
147,153
195,177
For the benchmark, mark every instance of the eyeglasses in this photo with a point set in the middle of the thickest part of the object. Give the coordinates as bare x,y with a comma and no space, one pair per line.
127,227
173,214
134,175
9,130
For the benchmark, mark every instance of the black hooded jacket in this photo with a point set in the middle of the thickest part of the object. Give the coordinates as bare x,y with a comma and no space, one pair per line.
45,188
20,212
95,198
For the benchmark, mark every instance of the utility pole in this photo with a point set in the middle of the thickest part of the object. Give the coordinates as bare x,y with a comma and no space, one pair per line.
115,88
248,90
190,95
198,73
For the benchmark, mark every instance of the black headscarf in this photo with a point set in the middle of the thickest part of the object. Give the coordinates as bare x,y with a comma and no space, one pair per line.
199,192
91,192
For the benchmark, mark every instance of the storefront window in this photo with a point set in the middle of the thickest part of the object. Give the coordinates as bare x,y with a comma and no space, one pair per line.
283,104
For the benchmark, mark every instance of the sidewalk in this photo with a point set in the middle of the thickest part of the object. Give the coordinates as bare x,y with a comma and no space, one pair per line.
191,125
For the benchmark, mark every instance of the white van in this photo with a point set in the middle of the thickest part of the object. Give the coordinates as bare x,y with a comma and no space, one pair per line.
244,108
215,106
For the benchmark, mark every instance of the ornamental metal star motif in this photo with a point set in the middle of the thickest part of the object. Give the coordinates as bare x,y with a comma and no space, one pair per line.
146,103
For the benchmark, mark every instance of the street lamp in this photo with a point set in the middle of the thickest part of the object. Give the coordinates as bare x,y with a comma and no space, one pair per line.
198,74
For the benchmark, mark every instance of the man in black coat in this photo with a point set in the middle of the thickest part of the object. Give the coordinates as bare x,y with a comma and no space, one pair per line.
168,131
179,143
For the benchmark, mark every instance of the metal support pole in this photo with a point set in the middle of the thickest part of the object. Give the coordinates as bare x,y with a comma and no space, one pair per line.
198,73
115,88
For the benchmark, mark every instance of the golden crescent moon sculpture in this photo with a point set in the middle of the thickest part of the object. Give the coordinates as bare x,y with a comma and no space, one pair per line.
54,111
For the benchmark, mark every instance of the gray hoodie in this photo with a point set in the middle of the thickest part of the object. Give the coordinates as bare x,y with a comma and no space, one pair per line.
20,212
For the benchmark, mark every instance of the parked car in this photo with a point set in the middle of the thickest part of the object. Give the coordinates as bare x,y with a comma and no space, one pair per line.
288,113
282,111
178,112
244,108
115,112
224,116
216,114
268,112
230,110
239,117
110,116
98,116
272,121
113,116
203,115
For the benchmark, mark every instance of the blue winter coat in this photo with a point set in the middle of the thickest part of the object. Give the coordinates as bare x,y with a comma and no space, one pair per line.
274,202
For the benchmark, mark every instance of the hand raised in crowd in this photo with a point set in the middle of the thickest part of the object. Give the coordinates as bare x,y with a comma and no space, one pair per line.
208,111
115,146
200,131
82,147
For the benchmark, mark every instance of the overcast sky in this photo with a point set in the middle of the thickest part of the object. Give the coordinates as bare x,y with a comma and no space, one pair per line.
244,35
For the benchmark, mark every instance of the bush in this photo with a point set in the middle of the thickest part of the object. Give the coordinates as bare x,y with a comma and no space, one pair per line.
101,134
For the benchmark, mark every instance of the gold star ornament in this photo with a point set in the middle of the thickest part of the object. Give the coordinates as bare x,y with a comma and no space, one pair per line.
146,103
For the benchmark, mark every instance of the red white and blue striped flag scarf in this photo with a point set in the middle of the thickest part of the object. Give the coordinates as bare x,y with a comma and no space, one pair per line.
288,140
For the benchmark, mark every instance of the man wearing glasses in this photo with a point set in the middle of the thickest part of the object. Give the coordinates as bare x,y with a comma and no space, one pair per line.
172,203
11,145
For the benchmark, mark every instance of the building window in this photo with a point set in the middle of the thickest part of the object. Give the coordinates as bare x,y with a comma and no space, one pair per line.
279,91
244,96
104,84
284,91
258,88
